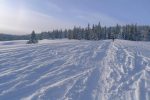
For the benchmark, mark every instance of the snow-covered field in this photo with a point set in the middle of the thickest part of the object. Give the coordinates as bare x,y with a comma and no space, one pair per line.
75,70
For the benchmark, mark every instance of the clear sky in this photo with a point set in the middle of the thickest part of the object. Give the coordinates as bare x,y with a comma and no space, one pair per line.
23,16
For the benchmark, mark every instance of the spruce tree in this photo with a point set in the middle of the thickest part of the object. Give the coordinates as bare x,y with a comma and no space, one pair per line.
33,38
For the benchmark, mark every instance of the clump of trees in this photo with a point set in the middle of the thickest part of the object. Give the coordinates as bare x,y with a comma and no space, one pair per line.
33,38
97,32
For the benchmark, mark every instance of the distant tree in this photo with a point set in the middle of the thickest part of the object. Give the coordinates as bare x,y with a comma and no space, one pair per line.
70,34
148,36
98,31
117,31
33,38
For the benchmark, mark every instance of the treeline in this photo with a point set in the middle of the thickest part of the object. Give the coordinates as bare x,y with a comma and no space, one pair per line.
97,32
8,37
92,32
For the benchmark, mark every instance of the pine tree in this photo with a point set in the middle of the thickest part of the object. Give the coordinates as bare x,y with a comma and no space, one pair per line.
99,31
33,38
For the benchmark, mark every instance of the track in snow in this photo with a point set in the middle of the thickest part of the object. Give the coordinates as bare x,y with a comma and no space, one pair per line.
75,70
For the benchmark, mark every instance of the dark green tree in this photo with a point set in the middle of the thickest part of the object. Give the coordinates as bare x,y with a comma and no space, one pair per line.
33,38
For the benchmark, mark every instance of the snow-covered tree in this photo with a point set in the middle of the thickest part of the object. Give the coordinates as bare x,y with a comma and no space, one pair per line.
33,38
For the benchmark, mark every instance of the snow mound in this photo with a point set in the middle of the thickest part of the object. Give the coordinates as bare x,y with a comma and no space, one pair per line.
75,70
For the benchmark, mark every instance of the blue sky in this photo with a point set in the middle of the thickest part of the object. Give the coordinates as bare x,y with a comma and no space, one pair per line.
23,16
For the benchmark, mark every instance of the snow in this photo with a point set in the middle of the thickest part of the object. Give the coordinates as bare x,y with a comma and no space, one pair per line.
75,70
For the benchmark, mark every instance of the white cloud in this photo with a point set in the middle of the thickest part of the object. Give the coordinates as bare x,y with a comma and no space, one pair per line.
24,21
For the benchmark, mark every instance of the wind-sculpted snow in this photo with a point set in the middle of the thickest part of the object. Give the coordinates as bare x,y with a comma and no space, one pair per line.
75,70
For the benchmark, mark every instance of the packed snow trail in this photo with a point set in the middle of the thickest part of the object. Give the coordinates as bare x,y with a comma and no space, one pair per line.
75,70
127,71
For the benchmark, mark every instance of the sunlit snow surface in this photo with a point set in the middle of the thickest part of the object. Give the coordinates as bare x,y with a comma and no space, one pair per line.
75,70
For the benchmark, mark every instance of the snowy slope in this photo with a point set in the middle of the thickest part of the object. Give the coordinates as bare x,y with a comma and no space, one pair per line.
75,70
